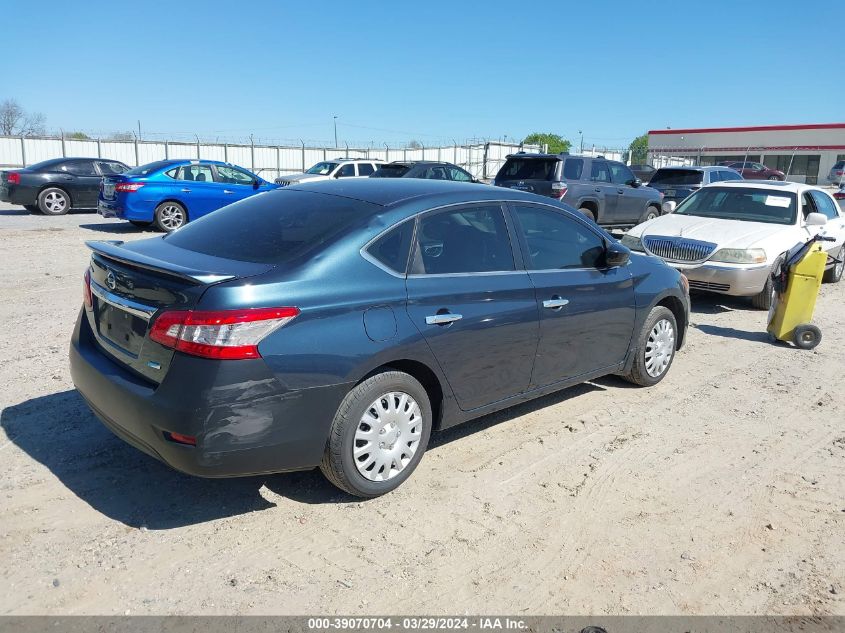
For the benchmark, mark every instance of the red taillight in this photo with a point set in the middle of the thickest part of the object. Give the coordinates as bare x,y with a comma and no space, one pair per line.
559,190
13,178
223,334
178,438
86,289
128,187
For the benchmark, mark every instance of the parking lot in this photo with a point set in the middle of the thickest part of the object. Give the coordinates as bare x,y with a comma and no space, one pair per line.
719,491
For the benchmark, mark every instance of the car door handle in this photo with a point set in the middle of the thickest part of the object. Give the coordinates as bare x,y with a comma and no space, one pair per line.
597,190
443,319
228,191
555,303
620,191
186,191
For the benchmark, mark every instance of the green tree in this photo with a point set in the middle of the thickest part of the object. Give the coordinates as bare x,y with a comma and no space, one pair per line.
78,136
639,150
556,143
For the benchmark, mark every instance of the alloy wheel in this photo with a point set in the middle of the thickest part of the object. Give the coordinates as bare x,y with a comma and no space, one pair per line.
55,202
387,436
171,217
659,348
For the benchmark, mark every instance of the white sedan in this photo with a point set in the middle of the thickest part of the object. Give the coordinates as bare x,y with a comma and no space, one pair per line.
726,237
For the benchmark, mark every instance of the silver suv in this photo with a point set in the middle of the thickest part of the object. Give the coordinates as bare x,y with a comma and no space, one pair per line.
328,169
606,191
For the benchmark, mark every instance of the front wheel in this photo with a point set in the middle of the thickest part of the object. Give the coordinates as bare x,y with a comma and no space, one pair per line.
589,213
655,348
169,216
834,274
378,435
53,201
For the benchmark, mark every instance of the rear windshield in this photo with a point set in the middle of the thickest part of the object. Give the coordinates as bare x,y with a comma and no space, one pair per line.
676,177
45,164
391,171
146,170
277,227
527,169
739,203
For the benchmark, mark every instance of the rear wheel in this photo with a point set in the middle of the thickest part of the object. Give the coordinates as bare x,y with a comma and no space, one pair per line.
53,201
655,349
834,274
650,213
169,216
773,178
588,213
378,435
806,336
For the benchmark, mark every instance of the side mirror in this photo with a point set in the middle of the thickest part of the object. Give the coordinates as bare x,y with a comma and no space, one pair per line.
616,254
815,219
256,184
669,206
636,182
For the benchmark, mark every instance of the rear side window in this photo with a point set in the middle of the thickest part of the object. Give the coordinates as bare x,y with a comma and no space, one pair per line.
528,169
730,175
107,168
365,169
81,168
278,227
677,177
392,248
391,171
465,240
573,168
599,171
715,176
346,171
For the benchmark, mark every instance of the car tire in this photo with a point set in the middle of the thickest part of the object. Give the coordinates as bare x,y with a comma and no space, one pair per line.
400,404
651,212
655,348
140,223
834,274
53,201
763,300
589,213
169,216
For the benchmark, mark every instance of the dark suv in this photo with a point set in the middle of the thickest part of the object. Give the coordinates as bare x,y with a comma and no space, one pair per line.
604,190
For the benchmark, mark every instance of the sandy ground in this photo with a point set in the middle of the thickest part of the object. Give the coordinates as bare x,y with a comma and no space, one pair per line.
720,491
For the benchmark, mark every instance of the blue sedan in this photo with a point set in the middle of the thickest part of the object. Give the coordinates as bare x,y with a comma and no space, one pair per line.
338,324
169,193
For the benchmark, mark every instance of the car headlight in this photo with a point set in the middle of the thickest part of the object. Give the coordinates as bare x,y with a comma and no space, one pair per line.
740,256
633,242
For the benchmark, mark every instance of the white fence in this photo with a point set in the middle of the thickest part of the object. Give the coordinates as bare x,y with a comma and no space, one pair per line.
483,160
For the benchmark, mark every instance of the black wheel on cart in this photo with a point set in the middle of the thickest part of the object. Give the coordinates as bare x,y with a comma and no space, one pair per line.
806,336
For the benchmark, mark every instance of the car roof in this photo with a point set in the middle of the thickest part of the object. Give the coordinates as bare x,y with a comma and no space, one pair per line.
389,191
695,167
411,163
783,185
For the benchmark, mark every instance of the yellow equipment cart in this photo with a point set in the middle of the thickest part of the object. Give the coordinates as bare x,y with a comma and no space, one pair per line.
796,286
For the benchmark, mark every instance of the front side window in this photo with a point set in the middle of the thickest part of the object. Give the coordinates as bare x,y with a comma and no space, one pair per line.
365,169
555,241
620,174
465,240
233,175
715,175
435,172
730,175
347,171
740,203
599,171
459,174
824,204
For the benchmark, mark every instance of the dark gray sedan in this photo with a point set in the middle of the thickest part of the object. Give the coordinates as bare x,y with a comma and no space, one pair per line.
338,324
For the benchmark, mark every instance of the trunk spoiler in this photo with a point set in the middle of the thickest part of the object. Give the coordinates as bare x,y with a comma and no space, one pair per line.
170,260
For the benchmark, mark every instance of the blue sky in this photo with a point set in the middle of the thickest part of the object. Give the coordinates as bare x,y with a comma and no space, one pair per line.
430,71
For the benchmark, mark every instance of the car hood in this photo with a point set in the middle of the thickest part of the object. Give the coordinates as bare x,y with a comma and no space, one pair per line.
724,233
302,177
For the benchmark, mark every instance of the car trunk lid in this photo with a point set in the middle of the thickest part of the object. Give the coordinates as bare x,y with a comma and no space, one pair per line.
132,283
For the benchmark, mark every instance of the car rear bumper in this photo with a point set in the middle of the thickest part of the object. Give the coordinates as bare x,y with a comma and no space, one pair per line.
737,280
16,194
244,420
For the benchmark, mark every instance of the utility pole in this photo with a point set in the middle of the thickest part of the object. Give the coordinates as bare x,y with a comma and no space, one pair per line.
581,132
139,129
335,131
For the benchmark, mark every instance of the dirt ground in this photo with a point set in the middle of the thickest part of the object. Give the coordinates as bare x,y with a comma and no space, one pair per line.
720,491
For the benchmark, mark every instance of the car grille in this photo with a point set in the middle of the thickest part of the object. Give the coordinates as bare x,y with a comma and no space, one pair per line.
707,285
678,249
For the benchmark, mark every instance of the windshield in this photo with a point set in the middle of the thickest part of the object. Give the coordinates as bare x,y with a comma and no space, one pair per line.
322,169
527,169
746,204
146,170
676,177
391,171
277,227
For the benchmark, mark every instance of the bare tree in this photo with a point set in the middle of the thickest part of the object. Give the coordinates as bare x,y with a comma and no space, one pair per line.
120,136
15,121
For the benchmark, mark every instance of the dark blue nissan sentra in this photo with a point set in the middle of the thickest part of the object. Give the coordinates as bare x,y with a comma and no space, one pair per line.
337,324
